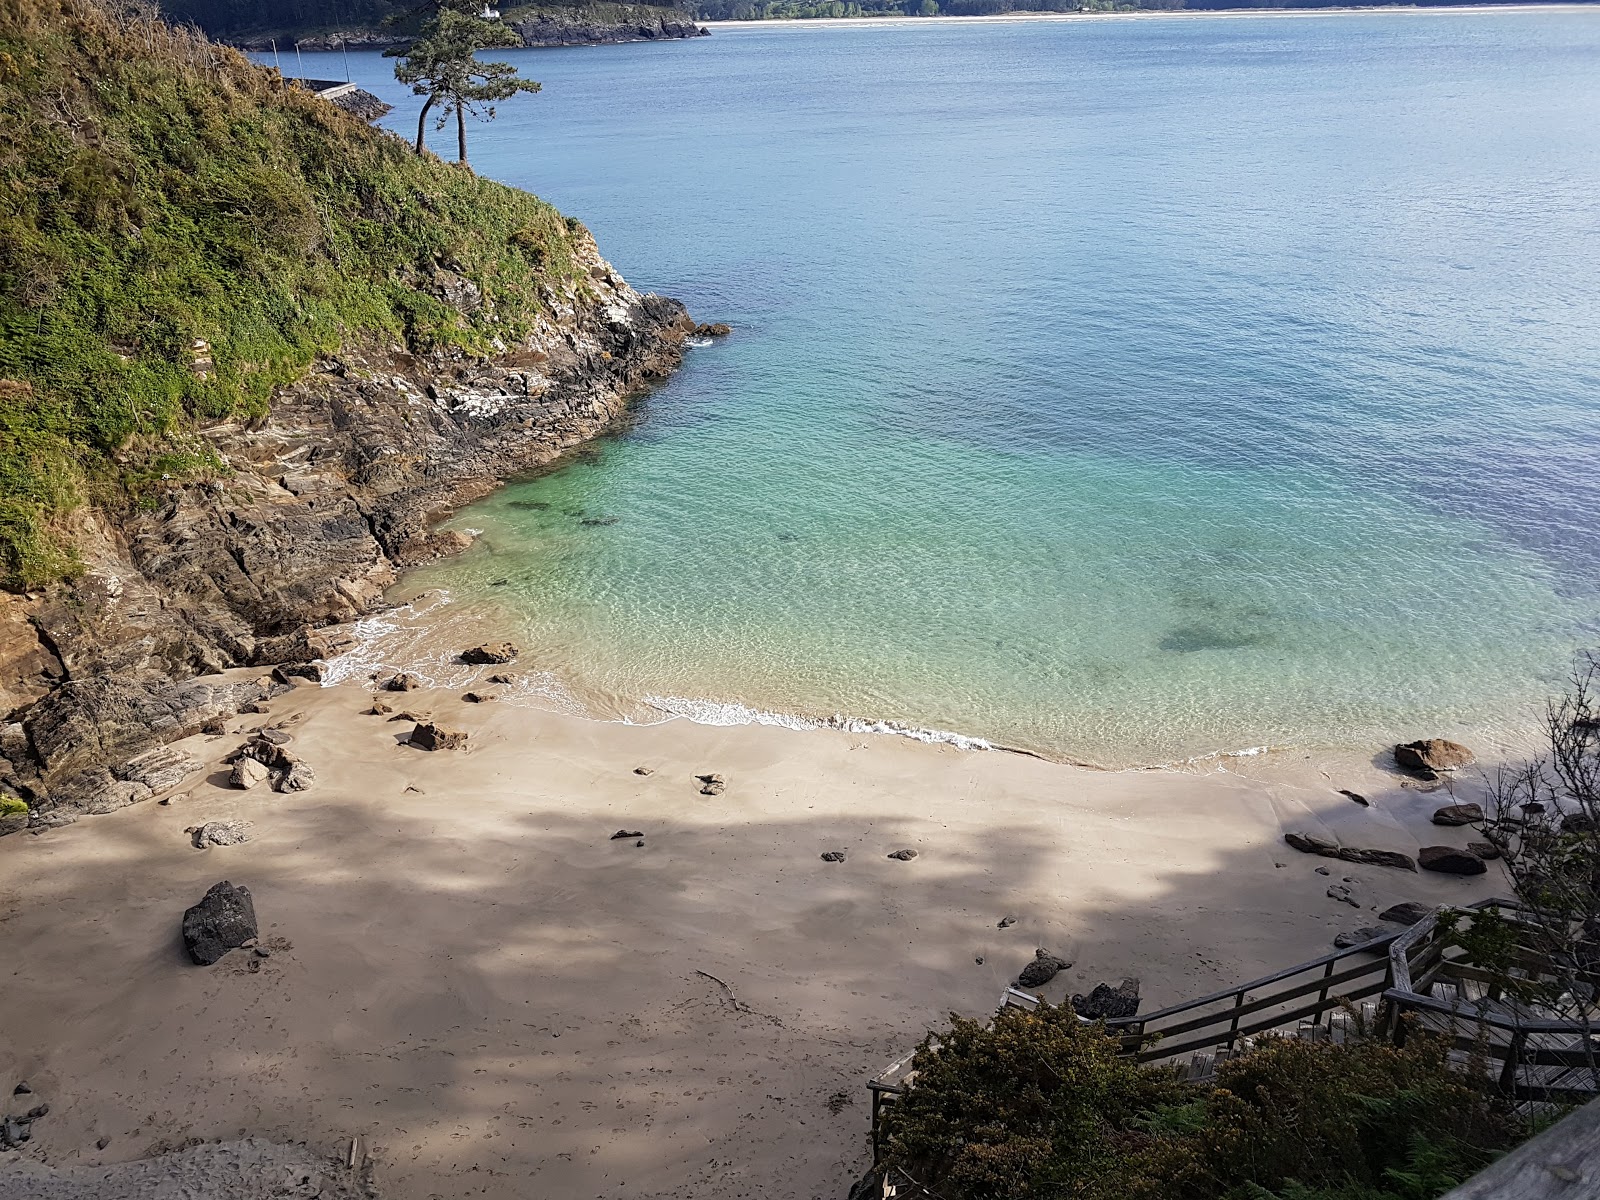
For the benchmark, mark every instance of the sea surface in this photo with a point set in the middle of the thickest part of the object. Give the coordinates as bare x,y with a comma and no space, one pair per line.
1128,390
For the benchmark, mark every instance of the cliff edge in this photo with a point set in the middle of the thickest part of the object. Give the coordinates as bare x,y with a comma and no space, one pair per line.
249,350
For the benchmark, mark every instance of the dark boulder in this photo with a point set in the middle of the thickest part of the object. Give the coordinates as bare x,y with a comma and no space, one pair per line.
224,920
403,682
1377,858
1484,850
712,330
625,833
1044,967
1107,1002
903,855
1458,814
1407,912
1310,843
1448,860
833,856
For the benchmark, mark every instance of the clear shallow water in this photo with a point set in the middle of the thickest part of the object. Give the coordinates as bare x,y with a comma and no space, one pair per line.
1123,389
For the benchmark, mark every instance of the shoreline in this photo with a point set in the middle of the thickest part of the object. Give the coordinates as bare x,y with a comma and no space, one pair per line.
1150,14
440,919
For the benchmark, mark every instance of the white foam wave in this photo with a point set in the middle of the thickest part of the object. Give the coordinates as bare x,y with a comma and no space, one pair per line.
697,341
714,712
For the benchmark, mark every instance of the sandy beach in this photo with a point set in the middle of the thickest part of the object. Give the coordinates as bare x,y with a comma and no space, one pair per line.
468,972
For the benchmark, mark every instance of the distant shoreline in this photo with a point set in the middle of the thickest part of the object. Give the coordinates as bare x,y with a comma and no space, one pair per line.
1155,14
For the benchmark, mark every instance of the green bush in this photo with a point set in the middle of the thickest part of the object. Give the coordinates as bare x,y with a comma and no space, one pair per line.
160,191
11,806
1040,1105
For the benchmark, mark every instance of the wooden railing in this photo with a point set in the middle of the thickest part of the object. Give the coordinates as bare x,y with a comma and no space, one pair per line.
1542,1057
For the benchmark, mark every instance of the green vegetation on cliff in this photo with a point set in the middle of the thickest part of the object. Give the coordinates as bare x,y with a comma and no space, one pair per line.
180,232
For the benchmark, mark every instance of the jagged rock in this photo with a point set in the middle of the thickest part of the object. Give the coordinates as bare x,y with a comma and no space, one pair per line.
221,833
295,776
903,855
1044,967
403,682
833,856
621,834
119,793
247,772
1487,851
1107,1002
161,769
1407,912
1377,858
275,737
224,920
1360,936
1432,756
379,709
53,820
712,784
503,679
494,653
429,735
644,770
1450,861
1310,843
287,673
712,330
1458,814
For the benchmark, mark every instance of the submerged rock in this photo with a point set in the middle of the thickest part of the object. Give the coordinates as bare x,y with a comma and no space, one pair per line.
1107,1002
224,920
1044,967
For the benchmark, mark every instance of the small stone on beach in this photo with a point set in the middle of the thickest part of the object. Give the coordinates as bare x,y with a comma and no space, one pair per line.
903,855
622,834
1005,922
1356,796
712,784
1044,967
644,770
833,856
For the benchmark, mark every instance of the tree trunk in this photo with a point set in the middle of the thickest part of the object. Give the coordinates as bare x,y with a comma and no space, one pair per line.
422,124
461,133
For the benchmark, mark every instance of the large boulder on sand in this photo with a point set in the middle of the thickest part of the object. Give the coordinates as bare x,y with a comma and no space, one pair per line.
1432,755
491,654
429,735
224,920
1107,1002
247,772
1458,814
1044,967
1448,860
1310,843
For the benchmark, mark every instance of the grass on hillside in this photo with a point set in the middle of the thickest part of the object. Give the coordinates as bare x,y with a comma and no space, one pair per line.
156,191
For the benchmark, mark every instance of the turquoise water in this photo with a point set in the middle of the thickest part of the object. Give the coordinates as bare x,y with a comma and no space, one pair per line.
1123,389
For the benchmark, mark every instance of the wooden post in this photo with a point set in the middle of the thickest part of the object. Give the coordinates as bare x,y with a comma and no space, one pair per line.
1322,996
1233,1028
1508,1073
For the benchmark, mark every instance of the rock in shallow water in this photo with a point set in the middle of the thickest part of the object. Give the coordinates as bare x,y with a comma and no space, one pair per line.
224,920
491,654
1432,755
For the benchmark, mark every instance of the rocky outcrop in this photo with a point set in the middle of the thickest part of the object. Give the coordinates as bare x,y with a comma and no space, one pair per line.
1432,756
558,28
1310,843
1107,1002
1448,860
324,503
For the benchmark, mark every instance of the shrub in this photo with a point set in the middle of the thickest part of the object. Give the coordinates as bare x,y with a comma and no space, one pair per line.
1040,1105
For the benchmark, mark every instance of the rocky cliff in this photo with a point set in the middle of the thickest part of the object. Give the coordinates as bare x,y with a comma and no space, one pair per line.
322,503
249,348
